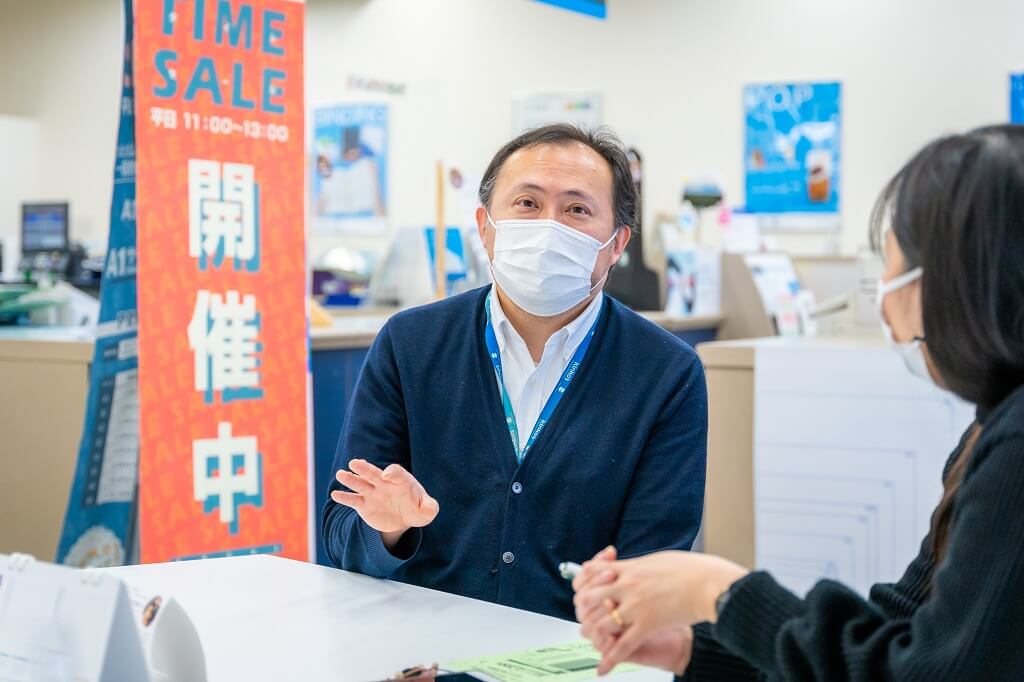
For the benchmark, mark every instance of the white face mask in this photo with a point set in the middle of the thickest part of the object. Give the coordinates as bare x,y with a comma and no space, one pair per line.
544,266
912,352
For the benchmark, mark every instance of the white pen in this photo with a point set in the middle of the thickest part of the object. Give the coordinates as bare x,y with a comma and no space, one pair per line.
569,570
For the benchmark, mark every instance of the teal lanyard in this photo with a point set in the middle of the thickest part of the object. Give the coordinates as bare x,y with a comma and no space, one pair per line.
570,372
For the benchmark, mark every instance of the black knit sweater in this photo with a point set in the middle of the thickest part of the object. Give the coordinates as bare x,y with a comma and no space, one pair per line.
961,621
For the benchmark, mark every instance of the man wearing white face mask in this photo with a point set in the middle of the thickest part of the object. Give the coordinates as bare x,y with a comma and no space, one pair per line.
501,432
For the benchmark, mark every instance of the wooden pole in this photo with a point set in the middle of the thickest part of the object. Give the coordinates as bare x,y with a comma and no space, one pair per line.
440,237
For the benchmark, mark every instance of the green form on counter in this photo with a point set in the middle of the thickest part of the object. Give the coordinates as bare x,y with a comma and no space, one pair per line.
574,661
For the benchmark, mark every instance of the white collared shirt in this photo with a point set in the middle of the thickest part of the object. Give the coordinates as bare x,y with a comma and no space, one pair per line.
530,384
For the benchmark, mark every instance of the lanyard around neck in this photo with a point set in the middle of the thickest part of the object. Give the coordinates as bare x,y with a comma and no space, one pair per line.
568,374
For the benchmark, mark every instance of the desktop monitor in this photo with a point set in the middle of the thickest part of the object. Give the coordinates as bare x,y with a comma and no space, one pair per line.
44,228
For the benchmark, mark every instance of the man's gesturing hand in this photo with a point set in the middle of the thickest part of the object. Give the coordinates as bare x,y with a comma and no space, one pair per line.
391,501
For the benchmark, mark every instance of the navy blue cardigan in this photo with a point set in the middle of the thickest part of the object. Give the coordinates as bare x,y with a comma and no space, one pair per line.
621,462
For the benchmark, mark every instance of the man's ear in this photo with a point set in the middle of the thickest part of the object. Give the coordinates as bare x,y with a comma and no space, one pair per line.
482,224
622,238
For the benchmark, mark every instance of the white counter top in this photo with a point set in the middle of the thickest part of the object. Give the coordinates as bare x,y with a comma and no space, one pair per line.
351,329
266,618
60,344
354,329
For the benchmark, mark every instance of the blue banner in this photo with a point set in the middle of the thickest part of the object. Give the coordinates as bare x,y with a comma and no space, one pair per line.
455,268
99,524
792,147
594,8
1017,98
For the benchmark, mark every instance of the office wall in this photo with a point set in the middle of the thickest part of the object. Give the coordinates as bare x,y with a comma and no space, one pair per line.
672,73
19,139
60,65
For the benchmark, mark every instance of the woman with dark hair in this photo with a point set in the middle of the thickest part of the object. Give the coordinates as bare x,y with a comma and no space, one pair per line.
951,228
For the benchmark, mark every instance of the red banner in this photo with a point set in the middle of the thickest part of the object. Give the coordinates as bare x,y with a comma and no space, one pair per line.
224,462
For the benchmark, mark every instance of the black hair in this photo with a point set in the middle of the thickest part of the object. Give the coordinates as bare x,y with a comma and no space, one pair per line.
602,140
957,211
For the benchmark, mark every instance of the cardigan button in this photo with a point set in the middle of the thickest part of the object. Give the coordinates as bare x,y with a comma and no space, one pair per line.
508,557
517,487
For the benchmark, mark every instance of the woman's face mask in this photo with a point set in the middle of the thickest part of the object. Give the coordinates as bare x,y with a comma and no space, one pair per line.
911,351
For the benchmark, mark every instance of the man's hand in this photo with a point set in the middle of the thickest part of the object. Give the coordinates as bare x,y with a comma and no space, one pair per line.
391,501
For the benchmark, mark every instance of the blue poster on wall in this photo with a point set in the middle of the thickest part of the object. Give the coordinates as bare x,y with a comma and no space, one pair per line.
792,149
99,525
350,153
594,8
1017,98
